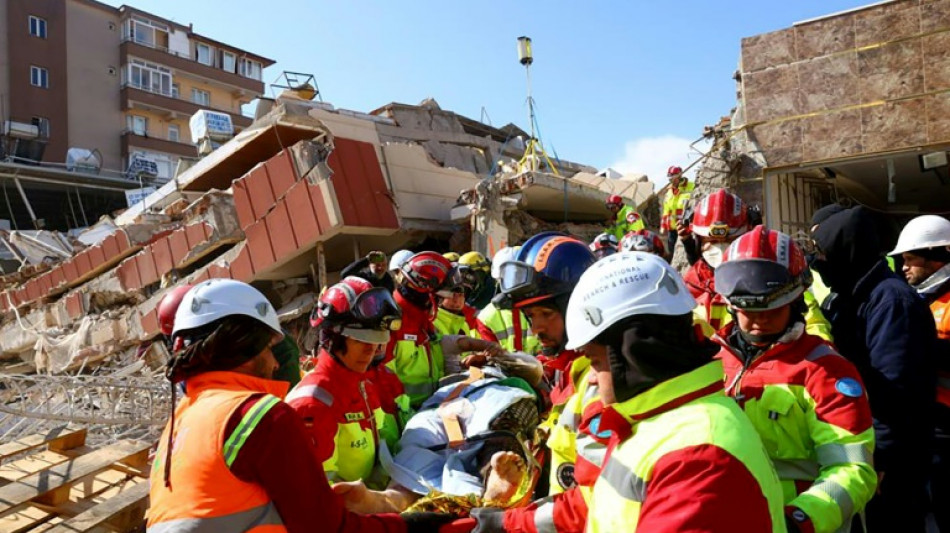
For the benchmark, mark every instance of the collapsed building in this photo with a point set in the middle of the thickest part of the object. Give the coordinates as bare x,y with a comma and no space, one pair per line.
284,205
850,108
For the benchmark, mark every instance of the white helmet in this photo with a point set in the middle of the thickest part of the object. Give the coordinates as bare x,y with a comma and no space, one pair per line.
622,285
925,231
507,253
399,258
217,298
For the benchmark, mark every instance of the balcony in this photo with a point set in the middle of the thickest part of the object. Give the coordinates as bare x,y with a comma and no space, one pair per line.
156,144
183,63
133,97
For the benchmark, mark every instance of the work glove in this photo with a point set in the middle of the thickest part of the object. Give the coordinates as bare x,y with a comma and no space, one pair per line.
426,522
488,520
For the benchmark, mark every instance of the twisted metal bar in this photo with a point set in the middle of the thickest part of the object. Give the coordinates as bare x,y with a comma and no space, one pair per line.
86,399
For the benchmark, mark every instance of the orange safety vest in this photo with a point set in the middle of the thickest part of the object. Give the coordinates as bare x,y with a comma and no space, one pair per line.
203,494
941,310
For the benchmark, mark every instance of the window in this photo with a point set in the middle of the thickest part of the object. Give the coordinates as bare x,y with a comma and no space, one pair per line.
201,97
173,133
176,90
39,77
204,54
37,27
42,125
250,69
228,61
148,33
138,125
150,77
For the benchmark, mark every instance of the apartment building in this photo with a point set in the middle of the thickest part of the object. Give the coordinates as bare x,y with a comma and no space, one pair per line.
83,74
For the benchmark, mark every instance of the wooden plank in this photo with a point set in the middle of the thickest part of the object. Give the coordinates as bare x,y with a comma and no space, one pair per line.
53,481
61,438
31,464
128,507
25,519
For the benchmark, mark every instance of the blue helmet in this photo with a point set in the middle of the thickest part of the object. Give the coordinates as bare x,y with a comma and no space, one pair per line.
548,265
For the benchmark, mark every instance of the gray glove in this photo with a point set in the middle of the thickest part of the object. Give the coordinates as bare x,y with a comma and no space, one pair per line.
488,520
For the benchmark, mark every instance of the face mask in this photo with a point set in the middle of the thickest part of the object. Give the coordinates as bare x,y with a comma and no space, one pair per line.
713,254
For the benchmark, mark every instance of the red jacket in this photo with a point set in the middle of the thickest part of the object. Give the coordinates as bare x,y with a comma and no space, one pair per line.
701,282
330,396
557,374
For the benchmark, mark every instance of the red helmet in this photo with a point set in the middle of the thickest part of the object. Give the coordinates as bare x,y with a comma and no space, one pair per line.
603,245
643,240
426,271
763,269
168,306
358,310
674,171
720,214
614,199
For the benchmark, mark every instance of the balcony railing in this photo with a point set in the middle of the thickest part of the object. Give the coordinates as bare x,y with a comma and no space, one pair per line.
179,104
189,57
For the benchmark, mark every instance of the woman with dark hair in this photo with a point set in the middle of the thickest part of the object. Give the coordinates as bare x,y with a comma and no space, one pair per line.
234,457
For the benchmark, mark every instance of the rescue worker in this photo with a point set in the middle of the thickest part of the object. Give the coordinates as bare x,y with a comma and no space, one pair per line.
924,244
340,407
538,282
415,352
286,351
396,261
167,307
507,327
882,326
643,240
719,219
623,218
682,456
241,459
454,316
806,401
372,268
479,272
674,204
604,245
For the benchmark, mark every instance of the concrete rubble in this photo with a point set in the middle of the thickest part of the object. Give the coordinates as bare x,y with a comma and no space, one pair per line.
830,109
284,205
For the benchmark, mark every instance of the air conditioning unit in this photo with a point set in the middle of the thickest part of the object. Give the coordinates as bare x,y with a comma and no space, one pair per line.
83,160
20,130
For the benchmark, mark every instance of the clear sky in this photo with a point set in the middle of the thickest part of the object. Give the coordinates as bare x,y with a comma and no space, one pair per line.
627,84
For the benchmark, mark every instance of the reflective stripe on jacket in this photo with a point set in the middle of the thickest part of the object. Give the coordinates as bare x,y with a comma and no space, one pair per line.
203,494
685,459
674,203
809,405
569,446
341,410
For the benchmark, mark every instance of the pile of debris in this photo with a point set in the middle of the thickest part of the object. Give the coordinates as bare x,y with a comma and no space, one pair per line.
283,205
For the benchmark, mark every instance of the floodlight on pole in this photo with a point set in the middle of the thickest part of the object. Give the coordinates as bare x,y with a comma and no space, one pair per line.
526,58
534,153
